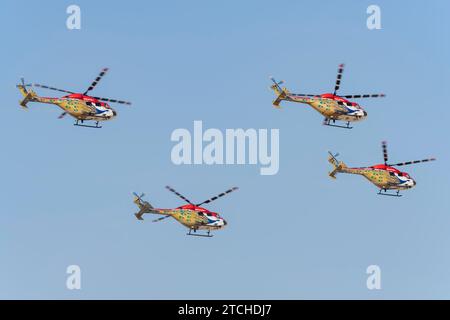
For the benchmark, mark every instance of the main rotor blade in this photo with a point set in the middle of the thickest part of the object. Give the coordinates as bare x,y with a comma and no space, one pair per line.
218,196
112,100
179,194
304,95
162,218
360,96
99,77
62,115
385,153
411,162
48,87
338,78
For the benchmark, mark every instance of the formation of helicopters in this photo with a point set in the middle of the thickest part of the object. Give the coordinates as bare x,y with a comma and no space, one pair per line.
333,107
79,105
385,176
192,216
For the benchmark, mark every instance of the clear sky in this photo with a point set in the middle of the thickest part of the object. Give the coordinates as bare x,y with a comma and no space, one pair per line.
66,191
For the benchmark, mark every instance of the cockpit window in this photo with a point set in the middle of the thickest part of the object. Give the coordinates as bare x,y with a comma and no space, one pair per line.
94,104
212,214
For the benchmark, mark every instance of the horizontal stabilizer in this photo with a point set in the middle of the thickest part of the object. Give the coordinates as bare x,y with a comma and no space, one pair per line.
25,100
139,216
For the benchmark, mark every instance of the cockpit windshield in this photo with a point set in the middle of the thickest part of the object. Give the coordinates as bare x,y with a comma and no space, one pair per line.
212,214
403,174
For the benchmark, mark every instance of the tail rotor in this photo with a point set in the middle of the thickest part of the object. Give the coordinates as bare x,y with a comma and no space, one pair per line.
29,95
138,197
281,92
144,206
337,165
276,84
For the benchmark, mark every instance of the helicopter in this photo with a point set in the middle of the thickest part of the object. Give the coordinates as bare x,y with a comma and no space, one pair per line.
79,105
332,106
384,176
191,215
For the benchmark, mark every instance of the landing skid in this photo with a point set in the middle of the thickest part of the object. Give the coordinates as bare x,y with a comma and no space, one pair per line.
208,235
383,192
77,123
327,122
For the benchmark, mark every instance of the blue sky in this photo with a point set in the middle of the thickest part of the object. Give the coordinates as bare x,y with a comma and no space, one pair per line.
66,191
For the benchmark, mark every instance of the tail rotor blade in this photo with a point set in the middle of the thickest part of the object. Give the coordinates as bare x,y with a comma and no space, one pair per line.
338,78
277,83
334,156
411,162
218,196
178,194
385,153
139,196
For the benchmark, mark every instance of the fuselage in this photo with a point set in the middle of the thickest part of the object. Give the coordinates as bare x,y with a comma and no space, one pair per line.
82,107
384,176
332,106
194,217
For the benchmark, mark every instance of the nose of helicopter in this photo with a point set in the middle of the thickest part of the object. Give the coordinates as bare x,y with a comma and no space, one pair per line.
411,183
114,113
224,222
360,114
